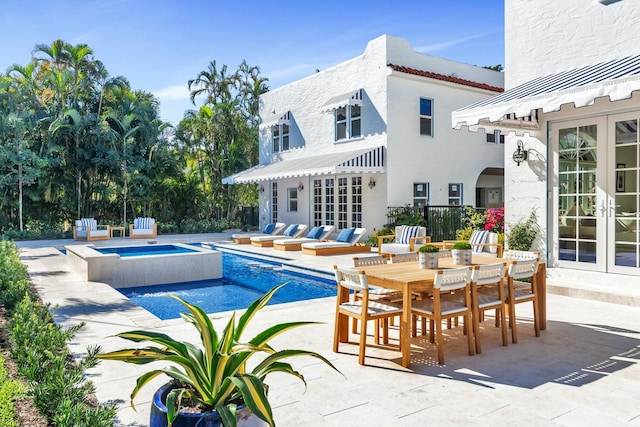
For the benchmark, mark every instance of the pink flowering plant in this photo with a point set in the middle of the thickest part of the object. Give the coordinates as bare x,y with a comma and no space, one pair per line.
494,220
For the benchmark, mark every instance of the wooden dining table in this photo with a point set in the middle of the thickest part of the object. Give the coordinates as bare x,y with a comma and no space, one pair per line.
409,278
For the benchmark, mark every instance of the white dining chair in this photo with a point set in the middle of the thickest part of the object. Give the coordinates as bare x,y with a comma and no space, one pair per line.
451,298
362,309
487,291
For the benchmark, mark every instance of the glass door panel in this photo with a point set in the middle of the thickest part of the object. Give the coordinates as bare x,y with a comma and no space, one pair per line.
577,194
624,207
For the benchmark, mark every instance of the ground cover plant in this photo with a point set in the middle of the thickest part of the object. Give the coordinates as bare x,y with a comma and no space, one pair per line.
60,390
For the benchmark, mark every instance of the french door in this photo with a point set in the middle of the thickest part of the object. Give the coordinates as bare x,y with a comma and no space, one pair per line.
597,199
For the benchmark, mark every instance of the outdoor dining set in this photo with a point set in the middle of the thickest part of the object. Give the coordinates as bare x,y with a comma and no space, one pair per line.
386,287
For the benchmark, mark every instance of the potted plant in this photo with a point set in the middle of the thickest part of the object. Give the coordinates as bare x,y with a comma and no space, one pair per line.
428,256
461,253
212,380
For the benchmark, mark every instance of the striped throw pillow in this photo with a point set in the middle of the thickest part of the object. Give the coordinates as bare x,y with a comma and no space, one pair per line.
477,237
407,232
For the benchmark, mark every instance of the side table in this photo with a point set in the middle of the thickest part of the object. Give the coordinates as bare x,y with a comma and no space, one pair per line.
119,229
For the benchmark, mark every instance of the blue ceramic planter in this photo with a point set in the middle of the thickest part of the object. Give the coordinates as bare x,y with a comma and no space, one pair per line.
159,413
158,416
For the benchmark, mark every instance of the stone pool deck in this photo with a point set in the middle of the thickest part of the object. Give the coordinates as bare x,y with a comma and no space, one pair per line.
584,369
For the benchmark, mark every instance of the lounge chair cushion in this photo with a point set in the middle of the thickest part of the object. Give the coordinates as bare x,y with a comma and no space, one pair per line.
478,236
315,233
141,223
407,232
89,224
269,228
345,235
291,230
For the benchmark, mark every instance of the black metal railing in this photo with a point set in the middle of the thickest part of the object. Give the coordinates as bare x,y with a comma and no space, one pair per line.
441,221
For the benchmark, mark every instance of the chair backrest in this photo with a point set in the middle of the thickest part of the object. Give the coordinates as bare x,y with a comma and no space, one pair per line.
326,232
404,233
488,273
522,269
449,280
351,279
404,257
294,230
369,260
512,254
358,234
89,224
141,223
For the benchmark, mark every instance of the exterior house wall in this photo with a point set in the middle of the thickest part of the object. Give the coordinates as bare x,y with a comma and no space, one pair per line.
390,118
434,159
544,37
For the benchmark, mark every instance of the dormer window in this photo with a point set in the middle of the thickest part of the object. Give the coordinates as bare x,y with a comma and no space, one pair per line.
347,113
280,133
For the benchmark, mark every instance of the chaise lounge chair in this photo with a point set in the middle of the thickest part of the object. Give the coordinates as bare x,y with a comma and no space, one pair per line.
143,228
89,230
274,228
347,242
291,232
316,234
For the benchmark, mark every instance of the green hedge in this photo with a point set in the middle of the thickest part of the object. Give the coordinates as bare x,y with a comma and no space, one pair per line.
59,387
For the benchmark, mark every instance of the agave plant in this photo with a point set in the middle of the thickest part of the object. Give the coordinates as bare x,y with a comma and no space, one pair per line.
215,375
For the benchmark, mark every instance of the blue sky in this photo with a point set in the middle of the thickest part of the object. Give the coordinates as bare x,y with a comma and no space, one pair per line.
160,44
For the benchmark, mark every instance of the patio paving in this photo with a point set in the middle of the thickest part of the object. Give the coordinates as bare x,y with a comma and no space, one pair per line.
584,369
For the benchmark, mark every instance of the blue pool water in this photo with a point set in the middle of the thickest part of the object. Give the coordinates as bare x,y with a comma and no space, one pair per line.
245,279
126,251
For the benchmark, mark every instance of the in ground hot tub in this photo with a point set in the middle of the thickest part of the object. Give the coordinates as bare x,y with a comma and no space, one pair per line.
143,265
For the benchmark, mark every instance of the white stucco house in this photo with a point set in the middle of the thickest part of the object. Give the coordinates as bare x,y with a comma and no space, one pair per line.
340,146
572,101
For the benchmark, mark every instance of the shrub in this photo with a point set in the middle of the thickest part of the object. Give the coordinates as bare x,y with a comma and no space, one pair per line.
384,231
461,245
10,390
14,283
523,233
59,388
429,248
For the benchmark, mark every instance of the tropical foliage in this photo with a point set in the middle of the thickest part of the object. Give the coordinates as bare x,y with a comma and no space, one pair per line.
79,142
523,233
215,374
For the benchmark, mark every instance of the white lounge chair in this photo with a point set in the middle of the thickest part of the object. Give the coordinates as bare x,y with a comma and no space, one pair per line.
291,232
143,228
274,228
407,239
89,230
316,234
483,243
347,242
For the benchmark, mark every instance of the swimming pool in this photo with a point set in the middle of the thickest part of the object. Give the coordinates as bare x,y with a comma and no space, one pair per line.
146,250
244,280
144,265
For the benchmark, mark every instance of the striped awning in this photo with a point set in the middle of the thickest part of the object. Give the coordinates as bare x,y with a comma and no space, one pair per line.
519,106
277,120
350,98
367,160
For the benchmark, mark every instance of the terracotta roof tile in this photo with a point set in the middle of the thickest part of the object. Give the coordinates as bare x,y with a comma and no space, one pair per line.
442,77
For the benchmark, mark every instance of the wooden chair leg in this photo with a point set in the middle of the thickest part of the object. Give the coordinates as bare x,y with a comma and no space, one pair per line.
476,329
336,332
363,341
512,322
468,324
439,343
503,326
